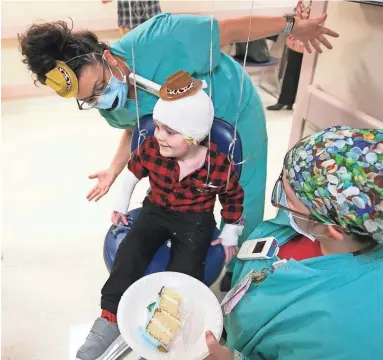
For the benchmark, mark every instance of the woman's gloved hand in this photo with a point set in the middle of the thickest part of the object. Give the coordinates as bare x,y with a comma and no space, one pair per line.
105,180
118,217
216,350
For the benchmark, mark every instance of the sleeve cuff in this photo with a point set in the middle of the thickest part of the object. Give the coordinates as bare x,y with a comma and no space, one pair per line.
127,184
230,234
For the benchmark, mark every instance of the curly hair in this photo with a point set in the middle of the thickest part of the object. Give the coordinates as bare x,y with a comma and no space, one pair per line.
43,44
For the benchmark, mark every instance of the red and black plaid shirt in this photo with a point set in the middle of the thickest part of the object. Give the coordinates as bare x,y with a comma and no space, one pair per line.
190,194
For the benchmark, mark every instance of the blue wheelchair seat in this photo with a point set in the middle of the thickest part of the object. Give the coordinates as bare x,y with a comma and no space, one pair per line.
222,134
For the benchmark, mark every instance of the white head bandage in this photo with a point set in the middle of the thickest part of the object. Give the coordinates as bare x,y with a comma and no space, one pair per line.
191,116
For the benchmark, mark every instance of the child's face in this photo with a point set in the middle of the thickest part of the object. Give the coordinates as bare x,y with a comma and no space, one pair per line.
172,143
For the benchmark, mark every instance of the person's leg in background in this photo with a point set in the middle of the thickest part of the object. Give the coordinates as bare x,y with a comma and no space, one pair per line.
121,15
125,22
290,82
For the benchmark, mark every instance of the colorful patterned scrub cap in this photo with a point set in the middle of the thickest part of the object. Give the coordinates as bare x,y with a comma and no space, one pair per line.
338,174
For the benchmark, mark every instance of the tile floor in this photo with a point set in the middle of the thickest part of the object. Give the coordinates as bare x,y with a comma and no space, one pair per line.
52,264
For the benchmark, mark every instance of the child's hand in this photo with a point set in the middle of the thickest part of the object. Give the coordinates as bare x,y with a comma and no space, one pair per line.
117,217
230,251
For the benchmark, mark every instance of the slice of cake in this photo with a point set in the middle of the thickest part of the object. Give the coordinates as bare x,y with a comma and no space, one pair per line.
164,320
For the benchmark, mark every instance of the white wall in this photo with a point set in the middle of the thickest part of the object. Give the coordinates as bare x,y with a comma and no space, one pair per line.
26,12
18,14
352,72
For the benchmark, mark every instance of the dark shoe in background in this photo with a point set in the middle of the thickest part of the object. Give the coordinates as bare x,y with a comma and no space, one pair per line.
278,107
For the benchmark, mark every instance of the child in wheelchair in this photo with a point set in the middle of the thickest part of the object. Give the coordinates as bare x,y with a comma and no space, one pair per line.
185,178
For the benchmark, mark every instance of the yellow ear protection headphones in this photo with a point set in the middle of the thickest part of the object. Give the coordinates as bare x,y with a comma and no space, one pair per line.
63,80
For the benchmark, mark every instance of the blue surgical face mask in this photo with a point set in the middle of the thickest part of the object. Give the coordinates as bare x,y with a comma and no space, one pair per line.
293,223
116,91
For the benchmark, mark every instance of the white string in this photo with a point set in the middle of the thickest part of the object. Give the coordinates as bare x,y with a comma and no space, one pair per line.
243,72
210,94
232,145
141,134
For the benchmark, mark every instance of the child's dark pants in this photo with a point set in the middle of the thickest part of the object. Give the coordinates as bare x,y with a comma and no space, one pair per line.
190,234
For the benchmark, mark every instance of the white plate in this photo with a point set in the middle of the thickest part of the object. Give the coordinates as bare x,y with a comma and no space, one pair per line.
197,300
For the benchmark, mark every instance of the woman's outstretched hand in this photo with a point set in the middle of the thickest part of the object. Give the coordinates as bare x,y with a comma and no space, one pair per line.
311,32
105,180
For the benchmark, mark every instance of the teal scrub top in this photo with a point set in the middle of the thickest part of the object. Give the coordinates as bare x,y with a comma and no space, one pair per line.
168,43
325,308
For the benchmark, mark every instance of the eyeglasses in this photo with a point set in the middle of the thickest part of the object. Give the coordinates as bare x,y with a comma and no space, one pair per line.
310,220
98,90
276,198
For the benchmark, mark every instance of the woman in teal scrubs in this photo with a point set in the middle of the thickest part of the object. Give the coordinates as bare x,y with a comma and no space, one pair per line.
163,45
325,302
77,65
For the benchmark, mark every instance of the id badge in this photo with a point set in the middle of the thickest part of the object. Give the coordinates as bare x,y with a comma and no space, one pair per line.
236,293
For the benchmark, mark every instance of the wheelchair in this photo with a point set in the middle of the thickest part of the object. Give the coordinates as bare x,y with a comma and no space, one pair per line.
222,134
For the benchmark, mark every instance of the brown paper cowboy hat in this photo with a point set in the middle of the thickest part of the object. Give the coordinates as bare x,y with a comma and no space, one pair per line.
179,85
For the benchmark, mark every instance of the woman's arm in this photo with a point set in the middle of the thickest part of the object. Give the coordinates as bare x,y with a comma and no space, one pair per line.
106,177
237,29
122,155
308,31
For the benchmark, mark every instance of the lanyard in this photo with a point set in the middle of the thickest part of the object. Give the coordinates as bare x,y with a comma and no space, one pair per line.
259,276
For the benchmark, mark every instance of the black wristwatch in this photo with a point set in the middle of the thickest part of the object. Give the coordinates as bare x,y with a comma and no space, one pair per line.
290,22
